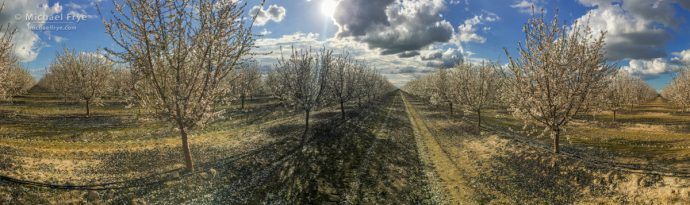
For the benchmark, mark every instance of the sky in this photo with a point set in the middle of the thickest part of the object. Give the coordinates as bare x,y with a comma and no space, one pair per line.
402,39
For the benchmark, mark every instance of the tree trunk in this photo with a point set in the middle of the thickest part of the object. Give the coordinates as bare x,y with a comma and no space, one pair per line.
342,109
614,115
306,128
185,149
479,122
242,99
451,109
88,110
556,136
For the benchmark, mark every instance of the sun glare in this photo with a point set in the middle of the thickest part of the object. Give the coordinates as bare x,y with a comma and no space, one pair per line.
328,7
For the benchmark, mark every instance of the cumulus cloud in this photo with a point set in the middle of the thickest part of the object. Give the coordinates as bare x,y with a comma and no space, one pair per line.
393,26
467,32
526,6
273,13
651,68
439,58
682,56
27,43
636,29
357,17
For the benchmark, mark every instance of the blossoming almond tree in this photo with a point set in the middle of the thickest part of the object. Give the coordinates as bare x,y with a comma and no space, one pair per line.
441,89
615,93
18,81
342,81
122,84
80,76
182,52
640,92
7,59
555,73
476,87
247,82
303,76
678,92
420,87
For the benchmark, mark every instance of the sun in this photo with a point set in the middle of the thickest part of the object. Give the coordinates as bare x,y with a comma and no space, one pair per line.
328,7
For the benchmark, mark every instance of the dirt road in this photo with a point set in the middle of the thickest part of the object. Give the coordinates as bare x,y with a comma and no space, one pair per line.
445,173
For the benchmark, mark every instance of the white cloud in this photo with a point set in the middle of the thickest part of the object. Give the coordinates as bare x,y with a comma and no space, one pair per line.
59,39
27,43
651,68
265,32
527,6
439,58
396,27
682,56
273,13
636,29
467,32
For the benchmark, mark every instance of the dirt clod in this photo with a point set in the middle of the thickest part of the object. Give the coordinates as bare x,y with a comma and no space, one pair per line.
93,196
213,173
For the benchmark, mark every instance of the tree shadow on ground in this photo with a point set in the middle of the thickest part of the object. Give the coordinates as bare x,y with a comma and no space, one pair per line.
530,179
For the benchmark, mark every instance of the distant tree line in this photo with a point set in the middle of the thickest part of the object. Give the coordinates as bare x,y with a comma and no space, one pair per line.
621,90
678,92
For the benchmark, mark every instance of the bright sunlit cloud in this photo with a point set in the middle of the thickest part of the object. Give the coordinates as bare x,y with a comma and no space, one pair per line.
328,7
